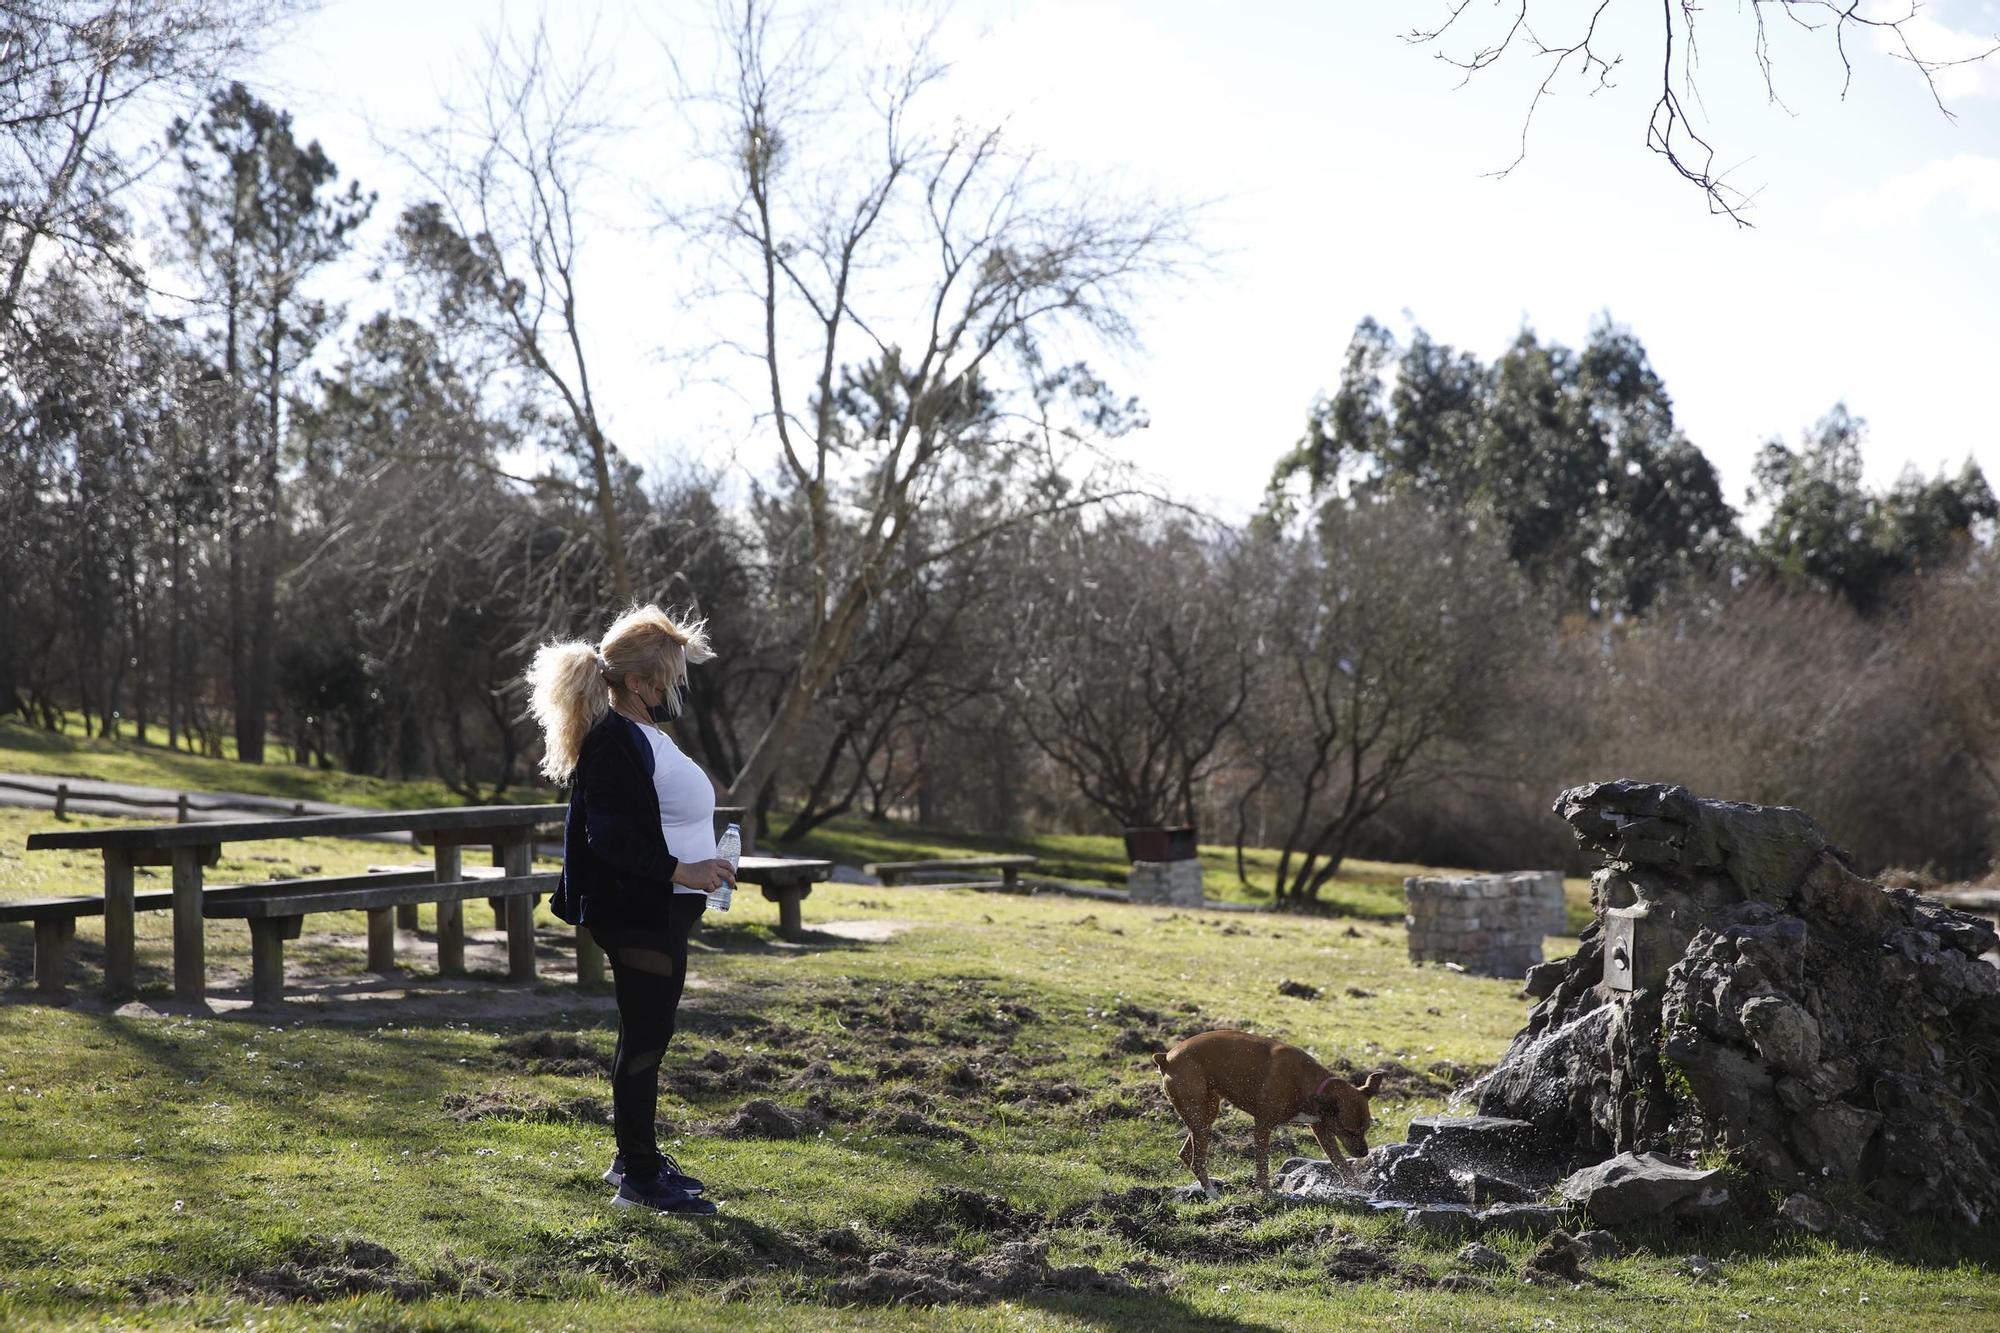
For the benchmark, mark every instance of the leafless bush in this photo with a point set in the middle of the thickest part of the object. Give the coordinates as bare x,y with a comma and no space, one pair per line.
1791,698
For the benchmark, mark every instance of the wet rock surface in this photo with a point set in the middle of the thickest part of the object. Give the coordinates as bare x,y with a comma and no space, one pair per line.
1465,1165
1744,989
1526,1219
1631,1186
1442,1219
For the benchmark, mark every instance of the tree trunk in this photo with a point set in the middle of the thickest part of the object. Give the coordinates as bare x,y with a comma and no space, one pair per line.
1243,828
607,511
822,658
242,693
813,813
174,627
142,671
263,626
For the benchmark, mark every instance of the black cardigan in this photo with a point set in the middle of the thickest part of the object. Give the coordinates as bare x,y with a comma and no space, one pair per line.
616,867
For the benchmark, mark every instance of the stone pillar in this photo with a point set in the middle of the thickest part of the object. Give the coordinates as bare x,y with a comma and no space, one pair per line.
1171,883
1490,924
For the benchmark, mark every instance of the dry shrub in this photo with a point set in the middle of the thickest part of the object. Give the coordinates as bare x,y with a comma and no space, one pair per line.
1794,699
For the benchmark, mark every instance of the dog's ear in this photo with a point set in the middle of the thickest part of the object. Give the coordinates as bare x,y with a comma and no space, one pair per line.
1366,1087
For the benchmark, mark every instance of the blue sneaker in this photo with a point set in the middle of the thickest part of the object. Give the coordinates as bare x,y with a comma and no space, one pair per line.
670,1174
660,1197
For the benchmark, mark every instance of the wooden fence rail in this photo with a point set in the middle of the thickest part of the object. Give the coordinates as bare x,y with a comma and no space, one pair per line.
179,803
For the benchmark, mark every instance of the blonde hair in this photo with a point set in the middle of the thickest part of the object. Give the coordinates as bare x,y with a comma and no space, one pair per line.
571,683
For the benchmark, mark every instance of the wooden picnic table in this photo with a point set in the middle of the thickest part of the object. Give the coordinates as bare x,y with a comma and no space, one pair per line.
785,881
511,830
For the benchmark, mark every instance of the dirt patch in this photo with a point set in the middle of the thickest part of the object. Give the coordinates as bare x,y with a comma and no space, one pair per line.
761,1118
1360,1261
908,1067
323,1268
909,1122
1559,1258
818,1074
1152,1217
553,1053
466,1107
1136,1041
718,1071
945,1213
966,1076
1038,1094
1146,1030
940,1277
1146,1215
698,1019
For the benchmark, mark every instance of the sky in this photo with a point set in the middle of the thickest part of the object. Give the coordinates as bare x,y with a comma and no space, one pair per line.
1343,172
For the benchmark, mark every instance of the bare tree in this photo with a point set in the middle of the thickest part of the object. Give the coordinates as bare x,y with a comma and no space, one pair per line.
1961,635
1568,38
1390,633
941,259
510,173
1134,652
919,657
70,71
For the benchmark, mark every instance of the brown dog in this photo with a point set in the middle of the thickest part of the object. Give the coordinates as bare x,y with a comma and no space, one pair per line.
1277,1084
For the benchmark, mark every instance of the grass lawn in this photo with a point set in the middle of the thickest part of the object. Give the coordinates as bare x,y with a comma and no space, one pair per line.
69,754
429,1170
975,1063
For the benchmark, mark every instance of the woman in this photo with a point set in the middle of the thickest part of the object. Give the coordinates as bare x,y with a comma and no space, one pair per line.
638,857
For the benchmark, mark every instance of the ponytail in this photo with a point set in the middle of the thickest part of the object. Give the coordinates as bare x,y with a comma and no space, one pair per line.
571,682
570,697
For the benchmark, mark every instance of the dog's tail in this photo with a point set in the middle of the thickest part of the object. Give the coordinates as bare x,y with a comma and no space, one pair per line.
1160,1059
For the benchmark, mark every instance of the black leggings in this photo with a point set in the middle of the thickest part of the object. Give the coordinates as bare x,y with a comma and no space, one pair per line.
648,969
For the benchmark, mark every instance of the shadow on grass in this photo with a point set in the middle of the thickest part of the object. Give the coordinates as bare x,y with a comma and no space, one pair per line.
752,939
84,973
1923,1243
734,1254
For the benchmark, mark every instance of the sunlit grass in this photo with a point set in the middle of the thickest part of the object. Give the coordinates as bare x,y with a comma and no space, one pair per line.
33,750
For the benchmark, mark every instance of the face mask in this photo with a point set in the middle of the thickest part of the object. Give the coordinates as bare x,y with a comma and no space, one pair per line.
663,711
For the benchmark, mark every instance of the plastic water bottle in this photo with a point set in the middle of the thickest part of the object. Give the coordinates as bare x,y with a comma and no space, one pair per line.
728,847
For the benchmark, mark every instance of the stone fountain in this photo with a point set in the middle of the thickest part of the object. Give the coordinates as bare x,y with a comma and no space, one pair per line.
1743,997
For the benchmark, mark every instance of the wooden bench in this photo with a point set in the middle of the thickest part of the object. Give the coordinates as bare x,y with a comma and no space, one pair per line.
509,829
1010,867
785,881
275,917
54,919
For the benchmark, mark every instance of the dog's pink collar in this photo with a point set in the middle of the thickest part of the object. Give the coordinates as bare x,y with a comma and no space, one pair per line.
1330,1078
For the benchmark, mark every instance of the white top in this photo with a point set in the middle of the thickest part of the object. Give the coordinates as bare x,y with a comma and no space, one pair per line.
687,803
